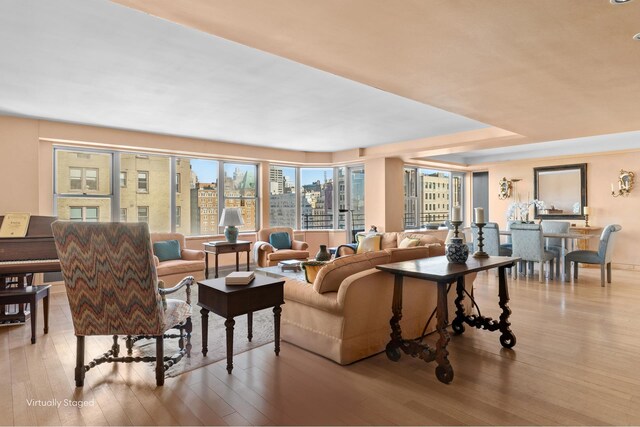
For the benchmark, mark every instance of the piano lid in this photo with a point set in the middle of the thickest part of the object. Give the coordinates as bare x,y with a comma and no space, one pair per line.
39,226
38,244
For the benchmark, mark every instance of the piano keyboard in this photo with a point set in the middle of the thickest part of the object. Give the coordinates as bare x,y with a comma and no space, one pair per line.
29,261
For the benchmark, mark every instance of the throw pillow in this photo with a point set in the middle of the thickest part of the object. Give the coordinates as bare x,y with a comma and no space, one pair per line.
369,243
280,240
409,243
311,269
167,250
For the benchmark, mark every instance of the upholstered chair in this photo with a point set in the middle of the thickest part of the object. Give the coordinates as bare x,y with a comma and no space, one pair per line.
603,256
528,244
268,254
554,244
113,289
190,263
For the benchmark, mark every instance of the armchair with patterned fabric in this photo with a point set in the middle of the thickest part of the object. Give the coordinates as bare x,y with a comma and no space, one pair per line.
113,289
277,244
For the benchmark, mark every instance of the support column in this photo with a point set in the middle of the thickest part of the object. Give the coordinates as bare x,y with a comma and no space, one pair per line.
384,193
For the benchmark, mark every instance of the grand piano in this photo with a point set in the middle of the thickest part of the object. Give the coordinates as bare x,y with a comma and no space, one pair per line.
21,258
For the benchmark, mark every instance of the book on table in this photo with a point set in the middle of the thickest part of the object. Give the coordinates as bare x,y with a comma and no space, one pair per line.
290,265
239,278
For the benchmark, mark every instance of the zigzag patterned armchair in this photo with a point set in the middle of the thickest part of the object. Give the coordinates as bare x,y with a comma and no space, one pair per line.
113,289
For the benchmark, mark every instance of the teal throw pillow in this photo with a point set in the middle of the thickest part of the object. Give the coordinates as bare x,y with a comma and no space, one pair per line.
167,250
280,240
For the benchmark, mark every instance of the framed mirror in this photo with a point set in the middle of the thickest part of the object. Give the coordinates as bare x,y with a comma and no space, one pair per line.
563,189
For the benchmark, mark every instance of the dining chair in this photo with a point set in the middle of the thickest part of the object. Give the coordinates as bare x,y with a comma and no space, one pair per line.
554,244
113,289
602,256
528,244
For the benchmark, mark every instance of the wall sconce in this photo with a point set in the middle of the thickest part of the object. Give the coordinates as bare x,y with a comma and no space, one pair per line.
625,184
505,188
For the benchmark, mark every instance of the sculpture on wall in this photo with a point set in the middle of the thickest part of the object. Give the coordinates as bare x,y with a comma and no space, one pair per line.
505,189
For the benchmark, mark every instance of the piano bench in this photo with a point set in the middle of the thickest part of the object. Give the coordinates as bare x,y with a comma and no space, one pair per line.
29,295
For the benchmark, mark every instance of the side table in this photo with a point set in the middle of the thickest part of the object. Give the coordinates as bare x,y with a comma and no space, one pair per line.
224,247
231,301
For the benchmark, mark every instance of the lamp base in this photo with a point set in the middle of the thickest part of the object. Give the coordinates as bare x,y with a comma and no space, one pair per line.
231,233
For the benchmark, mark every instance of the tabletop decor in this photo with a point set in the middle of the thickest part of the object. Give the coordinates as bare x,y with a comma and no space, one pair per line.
456,250
520,210
480,223
230,218
323,254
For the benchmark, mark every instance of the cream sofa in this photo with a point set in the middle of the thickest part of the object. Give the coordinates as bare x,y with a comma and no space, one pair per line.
173,271
392,240
344,315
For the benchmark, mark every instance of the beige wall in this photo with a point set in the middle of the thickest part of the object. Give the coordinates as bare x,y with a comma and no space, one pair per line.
602,171
384,193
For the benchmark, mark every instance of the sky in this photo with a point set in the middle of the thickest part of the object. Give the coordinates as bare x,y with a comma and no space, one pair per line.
207,170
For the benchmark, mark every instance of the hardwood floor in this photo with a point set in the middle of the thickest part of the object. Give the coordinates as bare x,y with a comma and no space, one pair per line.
575,363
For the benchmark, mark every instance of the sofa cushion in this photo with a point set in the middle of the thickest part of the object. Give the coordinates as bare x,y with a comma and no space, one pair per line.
179,266
167,250
408,254
303,293
389,240
368,243
331,275
280,240
425,239
408,242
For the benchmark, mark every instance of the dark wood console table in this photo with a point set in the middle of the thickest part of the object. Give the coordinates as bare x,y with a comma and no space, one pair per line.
439,270
224,247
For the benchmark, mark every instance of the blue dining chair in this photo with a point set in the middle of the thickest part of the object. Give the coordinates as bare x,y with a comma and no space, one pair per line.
602,256
528,244
554,244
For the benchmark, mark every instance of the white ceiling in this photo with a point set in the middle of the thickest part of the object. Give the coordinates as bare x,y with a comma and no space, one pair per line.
99,63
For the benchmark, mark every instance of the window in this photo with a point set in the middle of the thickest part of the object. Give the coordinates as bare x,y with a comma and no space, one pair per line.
123,180
430,190
143,214
123,214
143,182
178,216
177,182
201,199
282,196
84,213
316,198
83,179
240,191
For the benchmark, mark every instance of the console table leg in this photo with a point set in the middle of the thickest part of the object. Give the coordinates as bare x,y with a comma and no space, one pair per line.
444,371
250,325
247,260
205,330
393,347
507,338
229,325
458,323
276,328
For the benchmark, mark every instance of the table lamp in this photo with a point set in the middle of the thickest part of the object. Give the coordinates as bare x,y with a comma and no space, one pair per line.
230,218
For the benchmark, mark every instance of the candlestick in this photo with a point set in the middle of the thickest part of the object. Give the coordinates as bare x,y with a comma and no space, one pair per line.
456,224
479,216
480,253
586,211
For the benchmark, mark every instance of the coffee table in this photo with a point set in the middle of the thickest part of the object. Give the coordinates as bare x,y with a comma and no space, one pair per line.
231,301
277,272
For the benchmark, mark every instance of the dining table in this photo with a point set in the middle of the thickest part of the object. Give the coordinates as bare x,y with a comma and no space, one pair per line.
564,239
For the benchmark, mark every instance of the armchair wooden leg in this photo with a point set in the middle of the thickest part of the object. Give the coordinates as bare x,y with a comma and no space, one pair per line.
80,371
189,328
159,360
602,268
129,345
608,272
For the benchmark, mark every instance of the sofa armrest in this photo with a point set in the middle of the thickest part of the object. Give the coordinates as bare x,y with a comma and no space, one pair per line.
436,249
156,261
347,249
192,254
297,245
361,288
303,293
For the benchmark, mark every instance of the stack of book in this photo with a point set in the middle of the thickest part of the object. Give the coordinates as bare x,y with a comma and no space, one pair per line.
290,265
239,278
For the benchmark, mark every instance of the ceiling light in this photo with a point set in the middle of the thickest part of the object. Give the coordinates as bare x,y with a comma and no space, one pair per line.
619,1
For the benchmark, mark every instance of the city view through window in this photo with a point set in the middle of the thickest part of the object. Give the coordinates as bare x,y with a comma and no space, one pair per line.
428,196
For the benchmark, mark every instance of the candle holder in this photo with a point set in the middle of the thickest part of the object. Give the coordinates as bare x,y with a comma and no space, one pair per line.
456,224
480,253
586,220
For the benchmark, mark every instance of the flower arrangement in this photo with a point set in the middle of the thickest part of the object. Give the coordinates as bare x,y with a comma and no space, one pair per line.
522,208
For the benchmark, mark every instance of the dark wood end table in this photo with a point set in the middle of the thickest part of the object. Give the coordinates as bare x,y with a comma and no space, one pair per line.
439,270
224,247
230,301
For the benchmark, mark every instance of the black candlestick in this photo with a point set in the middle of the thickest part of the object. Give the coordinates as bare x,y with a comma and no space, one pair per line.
456,224
480,253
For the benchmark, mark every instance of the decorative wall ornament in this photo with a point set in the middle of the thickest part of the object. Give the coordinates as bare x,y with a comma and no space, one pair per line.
505,188
626,179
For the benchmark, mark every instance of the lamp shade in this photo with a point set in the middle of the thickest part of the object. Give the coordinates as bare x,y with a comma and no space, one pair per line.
231,216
